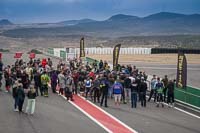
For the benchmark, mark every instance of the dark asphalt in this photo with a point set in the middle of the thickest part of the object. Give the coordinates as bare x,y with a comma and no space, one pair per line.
52,115
154,120
56,115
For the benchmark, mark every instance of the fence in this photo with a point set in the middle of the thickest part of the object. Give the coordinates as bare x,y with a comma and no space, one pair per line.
123,51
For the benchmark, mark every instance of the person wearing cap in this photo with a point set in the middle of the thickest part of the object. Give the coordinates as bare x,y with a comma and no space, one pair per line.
142,92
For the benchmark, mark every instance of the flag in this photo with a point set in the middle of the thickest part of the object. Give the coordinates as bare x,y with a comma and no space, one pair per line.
18,55
116,56
181,79
82,48
32,55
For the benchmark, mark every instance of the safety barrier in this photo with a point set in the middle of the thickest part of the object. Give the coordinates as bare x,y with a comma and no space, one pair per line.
189,95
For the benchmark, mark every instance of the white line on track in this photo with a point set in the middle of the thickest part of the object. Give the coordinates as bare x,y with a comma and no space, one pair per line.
183,111
168,68
111,116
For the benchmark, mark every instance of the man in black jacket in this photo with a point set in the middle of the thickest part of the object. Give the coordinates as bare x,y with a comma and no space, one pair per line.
104,85
142,92
170,93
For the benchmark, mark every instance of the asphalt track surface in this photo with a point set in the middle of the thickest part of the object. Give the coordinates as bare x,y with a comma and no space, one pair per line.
56,115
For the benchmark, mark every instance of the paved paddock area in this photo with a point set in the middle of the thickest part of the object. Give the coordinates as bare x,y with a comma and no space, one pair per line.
56,115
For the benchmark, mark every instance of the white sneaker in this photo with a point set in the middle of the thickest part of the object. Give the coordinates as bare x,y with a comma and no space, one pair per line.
16,110
6,91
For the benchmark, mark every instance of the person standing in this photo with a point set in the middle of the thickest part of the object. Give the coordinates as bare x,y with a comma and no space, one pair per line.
54,78
117,92
127,89
61,82
88,85
14,94
170,93
1,72
30,109
37,81
7,76
153,89
159,88
44,82
96,89
104,85
165,83
134,92
69,88
20,97
142,92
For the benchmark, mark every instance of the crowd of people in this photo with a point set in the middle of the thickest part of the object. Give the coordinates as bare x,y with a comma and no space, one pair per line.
96,82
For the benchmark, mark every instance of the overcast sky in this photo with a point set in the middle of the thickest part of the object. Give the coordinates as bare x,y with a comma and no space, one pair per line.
31,11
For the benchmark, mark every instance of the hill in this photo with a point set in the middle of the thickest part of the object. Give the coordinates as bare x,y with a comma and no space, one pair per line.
119,25
4,22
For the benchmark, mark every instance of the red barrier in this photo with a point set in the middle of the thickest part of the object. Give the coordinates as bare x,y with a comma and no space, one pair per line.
32,55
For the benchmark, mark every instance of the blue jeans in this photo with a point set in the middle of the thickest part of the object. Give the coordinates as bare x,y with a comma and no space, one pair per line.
133,99
16,103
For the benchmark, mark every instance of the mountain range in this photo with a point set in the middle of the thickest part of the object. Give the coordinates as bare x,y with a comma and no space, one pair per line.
163,23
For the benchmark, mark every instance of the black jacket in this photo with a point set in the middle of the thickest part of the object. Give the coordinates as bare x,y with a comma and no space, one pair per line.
170,88
31,95
143,87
